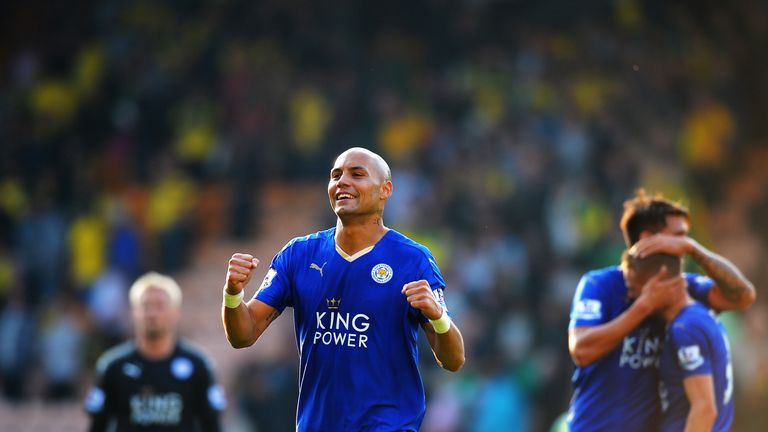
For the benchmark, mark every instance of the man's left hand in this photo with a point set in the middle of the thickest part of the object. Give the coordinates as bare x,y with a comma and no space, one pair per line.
420,297
663,243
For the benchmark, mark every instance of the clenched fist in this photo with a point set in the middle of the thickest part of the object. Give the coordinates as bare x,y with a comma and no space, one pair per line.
420,297
239,272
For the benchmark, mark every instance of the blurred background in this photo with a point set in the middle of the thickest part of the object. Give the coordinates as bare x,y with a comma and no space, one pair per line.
143,135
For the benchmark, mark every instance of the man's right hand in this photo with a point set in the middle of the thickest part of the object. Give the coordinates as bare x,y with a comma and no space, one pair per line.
239,272
660,290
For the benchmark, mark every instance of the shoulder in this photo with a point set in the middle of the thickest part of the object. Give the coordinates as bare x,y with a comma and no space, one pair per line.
115,355
410,248
600,285
194,353
309,239
692,320
301,245
604,278
698,279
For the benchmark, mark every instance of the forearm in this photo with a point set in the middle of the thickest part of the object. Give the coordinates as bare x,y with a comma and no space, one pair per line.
238,326
245,323
238,323
449,349
734,286
700,392
589,344
700,419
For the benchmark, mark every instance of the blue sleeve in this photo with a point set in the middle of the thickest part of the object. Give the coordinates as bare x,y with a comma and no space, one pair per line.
275,290
691,348
699,287
431,273
588,308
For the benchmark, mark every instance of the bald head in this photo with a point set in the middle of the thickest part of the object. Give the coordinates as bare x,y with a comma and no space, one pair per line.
379,165
359,186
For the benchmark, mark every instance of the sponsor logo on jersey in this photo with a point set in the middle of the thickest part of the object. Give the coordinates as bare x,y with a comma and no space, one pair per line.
690,357
341,328
182,368
381,273
639,350
131,370
314,266
588,309
156,409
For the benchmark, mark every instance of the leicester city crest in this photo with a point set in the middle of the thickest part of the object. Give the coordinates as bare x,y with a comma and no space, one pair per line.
182,368
381,273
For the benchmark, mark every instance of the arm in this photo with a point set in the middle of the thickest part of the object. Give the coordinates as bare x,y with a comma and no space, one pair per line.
99,422
210,401
699,389
245,323
447,347
98,403
731,291
588,344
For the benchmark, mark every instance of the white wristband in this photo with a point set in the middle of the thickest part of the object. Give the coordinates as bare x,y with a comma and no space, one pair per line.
233,301
442,324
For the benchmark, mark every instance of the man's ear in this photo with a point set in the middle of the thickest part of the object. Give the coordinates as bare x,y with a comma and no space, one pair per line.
645,234
386,190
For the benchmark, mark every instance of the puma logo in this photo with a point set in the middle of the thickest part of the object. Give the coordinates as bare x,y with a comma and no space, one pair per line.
318,268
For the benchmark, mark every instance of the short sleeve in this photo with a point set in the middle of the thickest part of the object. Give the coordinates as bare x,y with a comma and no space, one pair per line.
211,399
97,404
699,287
431,273
691,349
588,308
275,289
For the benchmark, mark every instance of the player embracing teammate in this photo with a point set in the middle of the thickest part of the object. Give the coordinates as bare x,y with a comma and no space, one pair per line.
617,330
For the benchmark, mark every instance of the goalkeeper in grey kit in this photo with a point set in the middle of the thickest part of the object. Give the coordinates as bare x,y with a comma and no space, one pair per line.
156,382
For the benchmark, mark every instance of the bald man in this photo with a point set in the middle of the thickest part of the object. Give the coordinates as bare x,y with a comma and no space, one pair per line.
360,291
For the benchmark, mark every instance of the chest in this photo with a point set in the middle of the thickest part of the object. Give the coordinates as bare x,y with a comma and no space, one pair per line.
162,383
370,284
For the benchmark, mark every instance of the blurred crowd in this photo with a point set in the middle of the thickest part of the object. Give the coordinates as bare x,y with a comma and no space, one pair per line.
515,131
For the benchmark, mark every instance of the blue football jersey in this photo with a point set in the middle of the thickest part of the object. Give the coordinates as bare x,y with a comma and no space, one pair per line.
620,390
696,344
355,330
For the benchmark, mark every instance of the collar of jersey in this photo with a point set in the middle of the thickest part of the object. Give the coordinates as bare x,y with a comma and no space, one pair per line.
357,255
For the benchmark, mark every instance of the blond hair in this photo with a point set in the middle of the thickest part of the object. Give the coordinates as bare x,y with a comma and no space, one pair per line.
155,280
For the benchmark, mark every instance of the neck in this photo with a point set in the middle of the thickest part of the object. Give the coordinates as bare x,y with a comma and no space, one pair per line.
158,347
670,312
354,236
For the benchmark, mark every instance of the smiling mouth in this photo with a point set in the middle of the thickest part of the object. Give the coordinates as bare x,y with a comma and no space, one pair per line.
343,196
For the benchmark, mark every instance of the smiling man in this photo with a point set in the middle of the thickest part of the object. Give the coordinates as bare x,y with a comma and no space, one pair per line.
360,292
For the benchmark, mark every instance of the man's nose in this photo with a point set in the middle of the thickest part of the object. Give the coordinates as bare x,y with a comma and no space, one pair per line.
343,180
